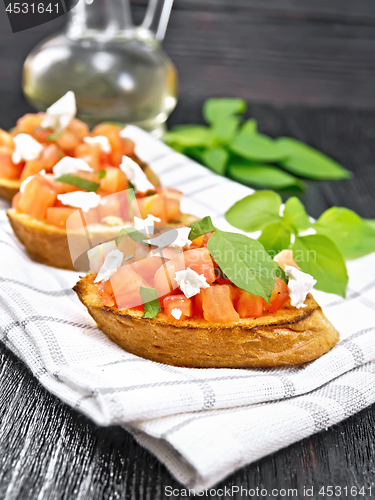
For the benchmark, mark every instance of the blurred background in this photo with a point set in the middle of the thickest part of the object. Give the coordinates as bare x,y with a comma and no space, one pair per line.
306,69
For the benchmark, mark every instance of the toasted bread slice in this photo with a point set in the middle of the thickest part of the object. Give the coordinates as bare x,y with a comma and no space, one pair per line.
288,337
9,187
48,244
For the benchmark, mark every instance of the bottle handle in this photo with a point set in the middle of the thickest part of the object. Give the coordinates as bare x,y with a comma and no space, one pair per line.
157,17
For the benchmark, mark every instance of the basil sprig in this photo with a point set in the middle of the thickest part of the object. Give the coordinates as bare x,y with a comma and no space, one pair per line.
233,147
201,227
242,259
150,301
79,182
338,235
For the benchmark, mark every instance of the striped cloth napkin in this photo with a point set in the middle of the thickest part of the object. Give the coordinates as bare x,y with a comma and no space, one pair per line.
202,424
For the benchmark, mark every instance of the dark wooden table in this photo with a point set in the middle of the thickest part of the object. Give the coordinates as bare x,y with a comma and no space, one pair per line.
323,93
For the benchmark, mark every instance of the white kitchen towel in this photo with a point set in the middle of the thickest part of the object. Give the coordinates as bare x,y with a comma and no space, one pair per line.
201,423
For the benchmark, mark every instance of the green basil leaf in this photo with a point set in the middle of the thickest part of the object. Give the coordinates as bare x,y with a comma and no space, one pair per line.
189,136
275,237
255,211
217,109
295,214
261,175
134,234
353,236
216,159
102,174
200,227
79,182
226,129
370,222
193,152
250,126
257,147
56,135
244,261
319,256
309,162
150,301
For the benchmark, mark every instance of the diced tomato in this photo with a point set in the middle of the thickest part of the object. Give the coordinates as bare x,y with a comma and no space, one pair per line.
199,260
31,167
180,302
31,123
126,284
8,170
37,197
285,258
106,292
63,187
110,206
279,297
217,304
114,180
128,147
173,212
154,205
48,159
68,141
164,281
105,129
91,153
172,193
119,146
248,305
57,216
147,268
197,242
6,139
198,305
16,200
79,128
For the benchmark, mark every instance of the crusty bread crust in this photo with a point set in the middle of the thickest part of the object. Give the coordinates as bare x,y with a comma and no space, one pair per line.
48,244
289,337
9,187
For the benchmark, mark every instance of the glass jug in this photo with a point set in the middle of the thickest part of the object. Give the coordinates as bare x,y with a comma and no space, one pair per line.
118,71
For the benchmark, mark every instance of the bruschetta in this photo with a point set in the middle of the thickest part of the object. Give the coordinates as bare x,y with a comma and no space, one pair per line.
40,140
200,317
42,213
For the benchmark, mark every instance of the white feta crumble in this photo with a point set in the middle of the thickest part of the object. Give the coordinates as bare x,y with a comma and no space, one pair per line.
60,114
69,165
146,226
101,140
300,284
80,199
26,148
123,133
28,179
190,282
111,263
135,175
175,238
176,313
